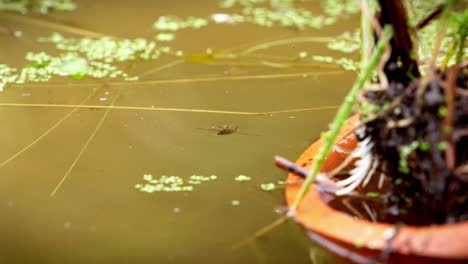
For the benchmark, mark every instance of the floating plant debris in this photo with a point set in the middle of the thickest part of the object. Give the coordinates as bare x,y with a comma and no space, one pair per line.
39,6
171,183
268,186
345,63
179,184
165,37
106,49
346,42
93,57
173,23
242,178
99,57
271,185
303,54
41,67
270,13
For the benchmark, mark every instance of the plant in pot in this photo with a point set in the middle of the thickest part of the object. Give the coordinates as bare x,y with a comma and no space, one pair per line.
391,183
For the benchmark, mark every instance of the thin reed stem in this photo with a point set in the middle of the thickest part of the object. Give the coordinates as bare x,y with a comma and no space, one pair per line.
85,146
166,109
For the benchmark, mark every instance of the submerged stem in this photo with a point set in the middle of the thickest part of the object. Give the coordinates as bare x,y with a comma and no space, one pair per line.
54,25
343,113
47,132
85,146
284,42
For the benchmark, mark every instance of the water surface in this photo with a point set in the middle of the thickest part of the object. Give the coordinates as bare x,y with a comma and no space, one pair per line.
97,216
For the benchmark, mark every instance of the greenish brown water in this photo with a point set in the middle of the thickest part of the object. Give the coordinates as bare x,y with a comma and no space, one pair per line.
97,216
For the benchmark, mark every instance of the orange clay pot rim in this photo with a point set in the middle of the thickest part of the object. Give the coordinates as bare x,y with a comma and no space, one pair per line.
449,241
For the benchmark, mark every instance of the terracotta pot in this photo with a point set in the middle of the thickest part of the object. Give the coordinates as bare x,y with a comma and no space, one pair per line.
353,238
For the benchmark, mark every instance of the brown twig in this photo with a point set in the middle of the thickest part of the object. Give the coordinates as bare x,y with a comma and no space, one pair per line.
430,17
449,118
323,183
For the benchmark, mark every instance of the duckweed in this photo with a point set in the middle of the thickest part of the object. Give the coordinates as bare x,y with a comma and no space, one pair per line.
98,57
171,183
38,6
268,186
264,13
173,23
93,57
179,184
165,37
345,63
346,43
303,54
105,49
242,178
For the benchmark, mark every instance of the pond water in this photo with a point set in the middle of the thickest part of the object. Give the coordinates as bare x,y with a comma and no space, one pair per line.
96,215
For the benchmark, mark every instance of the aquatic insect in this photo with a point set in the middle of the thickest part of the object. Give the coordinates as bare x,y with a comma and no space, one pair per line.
223,130
227,130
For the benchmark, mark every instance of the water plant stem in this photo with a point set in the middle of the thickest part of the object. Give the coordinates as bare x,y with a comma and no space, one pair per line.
85,146
134,85
167,109
281,42
442,29
45,133
342,115
367,34
53,25
264,230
